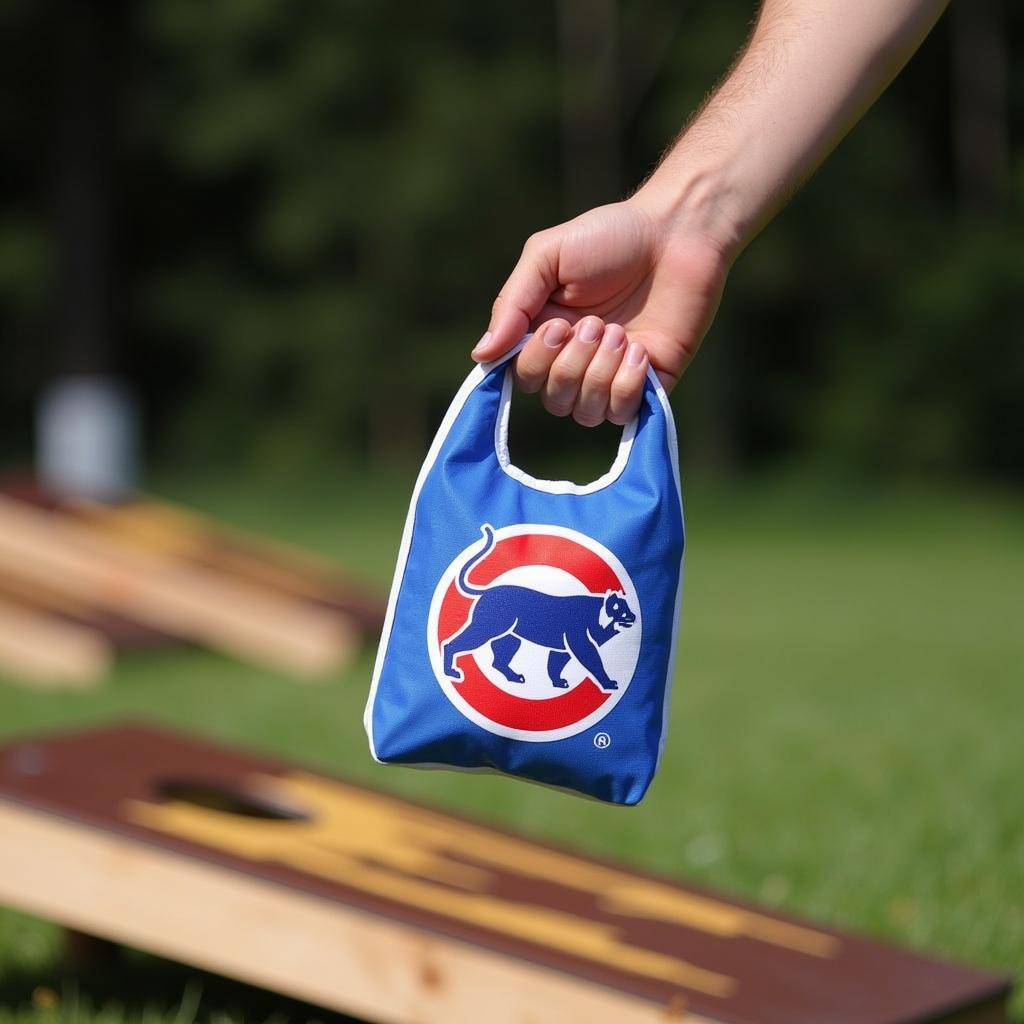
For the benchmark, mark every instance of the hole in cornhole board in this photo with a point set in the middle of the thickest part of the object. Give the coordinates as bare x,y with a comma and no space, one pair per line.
114,819
216,796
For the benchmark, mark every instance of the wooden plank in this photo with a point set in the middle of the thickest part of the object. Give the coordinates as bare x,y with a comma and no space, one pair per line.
267,935
199,604
186,535
120,631
183,534
297,880
45,652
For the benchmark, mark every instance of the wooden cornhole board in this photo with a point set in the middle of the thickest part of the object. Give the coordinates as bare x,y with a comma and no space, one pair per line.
192,539
84,568
364,903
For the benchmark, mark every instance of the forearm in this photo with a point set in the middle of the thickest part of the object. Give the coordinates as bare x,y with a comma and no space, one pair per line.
809,71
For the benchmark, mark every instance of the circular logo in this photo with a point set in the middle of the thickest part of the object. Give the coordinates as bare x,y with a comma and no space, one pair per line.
534,632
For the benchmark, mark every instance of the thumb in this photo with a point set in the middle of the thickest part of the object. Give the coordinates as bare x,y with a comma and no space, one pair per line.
522,297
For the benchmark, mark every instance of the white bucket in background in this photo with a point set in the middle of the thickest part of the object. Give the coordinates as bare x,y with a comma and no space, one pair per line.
87,438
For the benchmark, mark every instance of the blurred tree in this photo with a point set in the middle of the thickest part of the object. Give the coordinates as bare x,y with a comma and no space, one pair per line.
590,70
360,176
980,109
89,52
26,120
321,199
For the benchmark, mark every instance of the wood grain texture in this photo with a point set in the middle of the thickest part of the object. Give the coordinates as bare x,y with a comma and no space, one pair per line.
45,652
186,535
46,549
269,935
120,630
628,937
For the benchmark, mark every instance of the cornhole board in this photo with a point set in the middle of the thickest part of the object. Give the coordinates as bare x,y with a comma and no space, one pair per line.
190,537
55,640
42,548
358,901
187,535
120,632
45,651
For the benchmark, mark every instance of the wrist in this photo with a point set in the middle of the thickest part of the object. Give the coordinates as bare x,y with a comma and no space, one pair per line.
695,200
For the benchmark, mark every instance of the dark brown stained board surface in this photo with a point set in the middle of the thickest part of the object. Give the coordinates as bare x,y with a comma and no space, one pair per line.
592,920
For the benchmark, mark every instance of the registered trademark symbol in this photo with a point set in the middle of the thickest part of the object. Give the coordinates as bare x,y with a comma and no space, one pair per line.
602,741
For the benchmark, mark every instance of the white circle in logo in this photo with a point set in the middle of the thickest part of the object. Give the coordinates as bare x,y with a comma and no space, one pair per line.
548,645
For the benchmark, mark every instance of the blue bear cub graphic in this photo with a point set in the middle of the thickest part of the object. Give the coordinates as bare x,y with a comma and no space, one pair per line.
569,627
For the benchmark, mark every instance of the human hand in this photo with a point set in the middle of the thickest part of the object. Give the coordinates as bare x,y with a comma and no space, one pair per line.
607,293
639,281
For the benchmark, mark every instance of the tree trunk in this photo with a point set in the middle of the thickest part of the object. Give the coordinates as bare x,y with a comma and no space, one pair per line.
980,115
591,116
88,51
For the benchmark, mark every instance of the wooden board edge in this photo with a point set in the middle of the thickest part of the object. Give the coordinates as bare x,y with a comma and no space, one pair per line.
995,1012
243,927
186,601
45,652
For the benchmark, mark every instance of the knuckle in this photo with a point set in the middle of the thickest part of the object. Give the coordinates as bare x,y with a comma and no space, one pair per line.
586,417
600,378
562,377
529,381
556,406
534,242
623,391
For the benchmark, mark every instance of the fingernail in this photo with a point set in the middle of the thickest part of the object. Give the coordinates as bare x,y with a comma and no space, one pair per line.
482,343
635,355
555,335
590,329
613,339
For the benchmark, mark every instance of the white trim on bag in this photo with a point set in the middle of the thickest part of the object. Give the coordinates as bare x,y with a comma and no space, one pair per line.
554,486
469,385
673,447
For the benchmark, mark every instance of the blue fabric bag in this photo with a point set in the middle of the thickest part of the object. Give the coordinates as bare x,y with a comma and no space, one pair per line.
532,624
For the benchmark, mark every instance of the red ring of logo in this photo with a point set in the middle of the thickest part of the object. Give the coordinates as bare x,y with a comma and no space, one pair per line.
476,689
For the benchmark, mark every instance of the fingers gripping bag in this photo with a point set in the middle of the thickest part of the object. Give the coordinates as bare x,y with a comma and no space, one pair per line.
531,628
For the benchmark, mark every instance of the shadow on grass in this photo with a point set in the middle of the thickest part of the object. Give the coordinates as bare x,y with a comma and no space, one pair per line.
98,983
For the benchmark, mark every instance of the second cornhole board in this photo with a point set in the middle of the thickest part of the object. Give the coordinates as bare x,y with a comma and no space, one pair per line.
121,632
45,549
51,640
364,903
188,535
44,651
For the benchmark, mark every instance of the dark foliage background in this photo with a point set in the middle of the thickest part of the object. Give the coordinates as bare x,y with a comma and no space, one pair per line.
313,205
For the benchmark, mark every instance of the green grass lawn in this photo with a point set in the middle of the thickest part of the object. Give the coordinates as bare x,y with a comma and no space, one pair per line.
845,740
